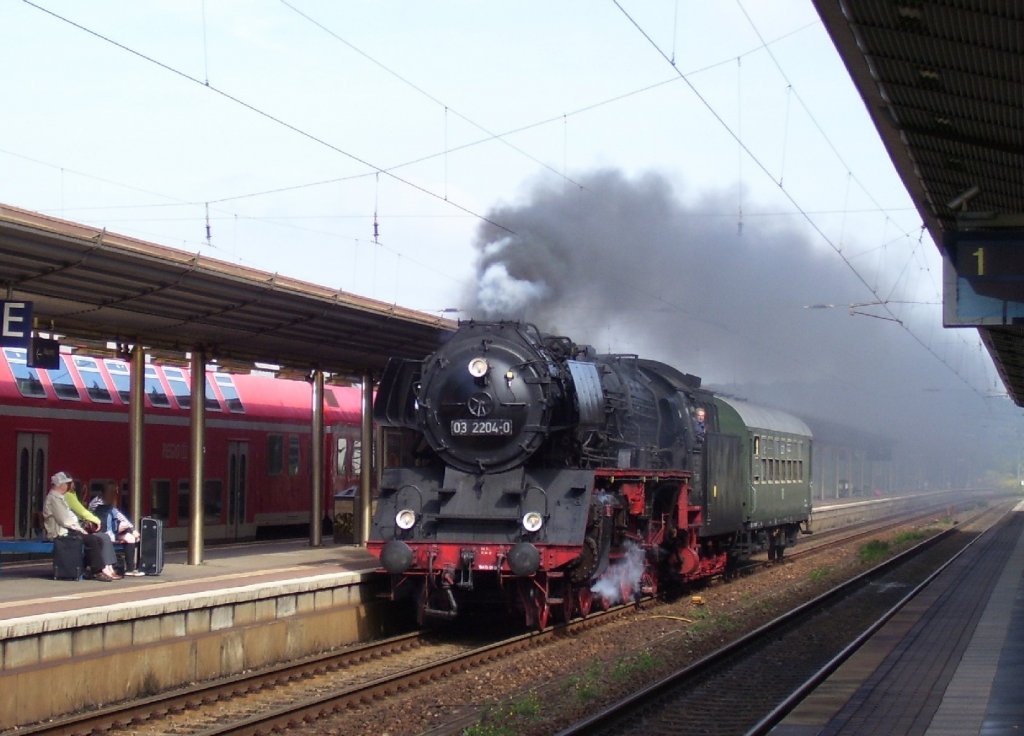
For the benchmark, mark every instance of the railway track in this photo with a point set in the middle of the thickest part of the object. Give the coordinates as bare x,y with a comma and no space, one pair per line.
316,688
748,685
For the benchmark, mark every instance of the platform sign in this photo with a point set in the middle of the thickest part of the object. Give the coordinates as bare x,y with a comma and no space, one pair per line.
983,278
15,324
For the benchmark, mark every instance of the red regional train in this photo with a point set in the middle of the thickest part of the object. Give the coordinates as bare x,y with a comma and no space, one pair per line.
258,443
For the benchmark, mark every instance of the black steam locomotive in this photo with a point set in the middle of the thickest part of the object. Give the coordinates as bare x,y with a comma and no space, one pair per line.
526,469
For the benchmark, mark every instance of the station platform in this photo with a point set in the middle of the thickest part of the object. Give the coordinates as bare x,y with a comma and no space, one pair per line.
68,645
27,588
950,663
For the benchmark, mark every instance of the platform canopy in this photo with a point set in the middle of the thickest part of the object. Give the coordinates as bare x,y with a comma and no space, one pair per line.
944,84
90,284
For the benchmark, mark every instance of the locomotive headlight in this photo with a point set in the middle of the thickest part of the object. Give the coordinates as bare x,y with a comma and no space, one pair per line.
478,367
532,521
405,519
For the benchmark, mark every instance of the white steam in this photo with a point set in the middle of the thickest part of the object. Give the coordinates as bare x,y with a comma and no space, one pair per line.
501,293
623,574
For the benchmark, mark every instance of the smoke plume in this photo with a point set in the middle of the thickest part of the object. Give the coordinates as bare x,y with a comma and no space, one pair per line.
623,264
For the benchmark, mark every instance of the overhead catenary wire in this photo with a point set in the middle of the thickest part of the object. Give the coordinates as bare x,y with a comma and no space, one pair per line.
273,118
428,95
789,196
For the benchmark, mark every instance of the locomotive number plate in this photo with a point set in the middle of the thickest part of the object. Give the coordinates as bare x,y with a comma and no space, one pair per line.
482,427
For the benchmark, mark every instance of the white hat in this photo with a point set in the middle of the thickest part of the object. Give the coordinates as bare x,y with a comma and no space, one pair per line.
59,479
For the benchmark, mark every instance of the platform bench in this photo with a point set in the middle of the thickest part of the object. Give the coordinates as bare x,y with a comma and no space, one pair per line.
38,547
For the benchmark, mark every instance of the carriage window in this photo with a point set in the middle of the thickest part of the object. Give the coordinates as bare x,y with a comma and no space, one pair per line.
275,454
92,379
161,506
155,389
26,378
179,386
757,445
229,392
118,371
60,379
293,455
212,402
184,502
178,380
331,399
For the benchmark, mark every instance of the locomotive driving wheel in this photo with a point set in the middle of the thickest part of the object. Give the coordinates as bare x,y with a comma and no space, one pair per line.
540,594
534,602
584,601
568,604
543,612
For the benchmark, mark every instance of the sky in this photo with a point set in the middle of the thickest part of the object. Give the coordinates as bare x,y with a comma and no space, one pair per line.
696,182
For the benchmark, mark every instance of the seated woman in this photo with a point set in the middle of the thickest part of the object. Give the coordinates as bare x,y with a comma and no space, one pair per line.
117,526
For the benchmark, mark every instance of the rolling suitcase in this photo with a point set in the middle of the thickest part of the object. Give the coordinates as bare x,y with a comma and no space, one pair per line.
151,547
68,557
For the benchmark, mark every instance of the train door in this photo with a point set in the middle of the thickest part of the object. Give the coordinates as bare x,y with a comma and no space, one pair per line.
238,482
33,458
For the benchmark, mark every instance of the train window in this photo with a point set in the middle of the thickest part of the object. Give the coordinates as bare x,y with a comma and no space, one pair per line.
26,378
229,392
212,500
119,374
92,379
161,501
275,454
212,402
294,456
757,445
331,399
179,386
178,380
60,379
155,389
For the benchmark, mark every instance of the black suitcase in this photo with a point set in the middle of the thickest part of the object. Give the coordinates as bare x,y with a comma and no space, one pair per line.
151,547
68,557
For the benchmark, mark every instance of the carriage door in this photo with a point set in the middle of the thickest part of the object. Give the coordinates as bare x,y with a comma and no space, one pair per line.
33,454
238,475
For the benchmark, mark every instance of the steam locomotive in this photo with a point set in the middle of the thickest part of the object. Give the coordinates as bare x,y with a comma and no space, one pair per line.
525,471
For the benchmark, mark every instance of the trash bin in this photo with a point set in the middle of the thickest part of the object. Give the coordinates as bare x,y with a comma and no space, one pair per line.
345,516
